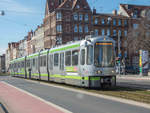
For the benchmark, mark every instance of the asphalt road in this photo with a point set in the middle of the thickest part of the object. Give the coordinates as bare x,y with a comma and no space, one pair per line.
134,83
72,101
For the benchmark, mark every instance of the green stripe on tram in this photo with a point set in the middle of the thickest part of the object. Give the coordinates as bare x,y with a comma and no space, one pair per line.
63,76
65,48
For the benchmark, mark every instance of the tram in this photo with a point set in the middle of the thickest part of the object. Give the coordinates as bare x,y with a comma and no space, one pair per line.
86,63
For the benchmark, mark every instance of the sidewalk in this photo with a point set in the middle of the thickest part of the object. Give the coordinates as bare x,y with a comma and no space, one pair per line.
19,101
133,77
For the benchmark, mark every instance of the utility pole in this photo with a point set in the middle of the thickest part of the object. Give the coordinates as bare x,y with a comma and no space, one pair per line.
119,52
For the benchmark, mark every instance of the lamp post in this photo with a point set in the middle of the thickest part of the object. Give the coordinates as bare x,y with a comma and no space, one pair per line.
2,13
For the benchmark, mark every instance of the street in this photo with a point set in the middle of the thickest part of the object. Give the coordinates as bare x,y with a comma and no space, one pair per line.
73,101
134,81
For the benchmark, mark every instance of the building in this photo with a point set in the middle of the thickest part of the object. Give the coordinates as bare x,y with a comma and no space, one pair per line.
113,25
137,14
22,49
37,40
7,59
29,47
66,20
2,63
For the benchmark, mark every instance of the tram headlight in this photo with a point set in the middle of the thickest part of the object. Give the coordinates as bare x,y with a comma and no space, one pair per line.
113,71
98,72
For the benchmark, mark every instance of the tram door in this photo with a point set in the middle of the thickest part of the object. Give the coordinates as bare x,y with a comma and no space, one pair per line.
82,62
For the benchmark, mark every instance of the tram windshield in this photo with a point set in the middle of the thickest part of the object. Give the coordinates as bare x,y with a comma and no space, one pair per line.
104,54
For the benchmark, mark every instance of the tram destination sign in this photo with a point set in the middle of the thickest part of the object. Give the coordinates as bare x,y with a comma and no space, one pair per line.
104,43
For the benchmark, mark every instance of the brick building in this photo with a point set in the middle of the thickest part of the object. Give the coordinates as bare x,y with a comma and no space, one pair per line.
112,25
66,20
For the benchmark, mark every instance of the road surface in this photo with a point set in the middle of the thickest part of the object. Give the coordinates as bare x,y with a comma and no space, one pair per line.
73,101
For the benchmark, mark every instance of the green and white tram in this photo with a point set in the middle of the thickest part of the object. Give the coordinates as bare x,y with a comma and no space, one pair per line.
86,63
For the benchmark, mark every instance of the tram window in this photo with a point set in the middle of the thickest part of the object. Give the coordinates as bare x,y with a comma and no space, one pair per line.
51,62
89,55
82,57
75,57
44,61
40,60
68,58
61,61
56,59
33,63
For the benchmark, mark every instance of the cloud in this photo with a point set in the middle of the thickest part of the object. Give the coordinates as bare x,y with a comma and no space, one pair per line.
13,5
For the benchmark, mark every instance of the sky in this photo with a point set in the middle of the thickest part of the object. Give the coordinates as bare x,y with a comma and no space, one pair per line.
23,15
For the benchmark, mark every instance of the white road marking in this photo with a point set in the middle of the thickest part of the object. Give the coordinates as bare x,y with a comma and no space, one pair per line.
47,102
125,101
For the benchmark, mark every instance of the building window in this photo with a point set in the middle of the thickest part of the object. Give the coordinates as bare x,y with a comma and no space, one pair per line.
80,29
96,21
125,22
59,28
75,28
108,22
103,21
75,16
114,22
119,32
86,17
135,26
103,32
58,16
135,14
96,32
125,33
119,22
80,17
86,29
114,32
108,32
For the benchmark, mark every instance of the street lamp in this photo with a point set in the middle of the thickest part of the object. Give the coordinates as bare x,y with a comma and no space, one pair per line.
2,13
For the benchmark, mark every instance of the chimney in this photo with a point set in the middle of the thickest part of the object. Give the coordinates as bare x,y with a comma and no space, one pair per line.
94,11
114,12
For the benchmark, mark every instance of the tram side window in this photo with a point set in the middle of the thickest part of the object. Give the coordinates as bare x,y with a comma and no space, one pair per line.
82,60
68,58
33,63
51,62
89,55
56,59
40,60
75,57
44,61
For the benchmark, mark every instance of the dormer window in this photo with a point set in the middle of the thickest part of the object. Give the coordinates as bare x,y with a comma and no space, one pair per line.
135,14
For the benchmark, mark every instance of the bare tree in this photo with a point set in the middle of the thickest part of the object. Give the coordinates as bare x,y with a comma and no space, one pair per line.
139,38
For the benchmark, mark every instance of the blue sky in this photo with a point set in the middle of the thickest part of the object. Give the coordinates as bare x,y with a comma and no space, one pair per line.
24,15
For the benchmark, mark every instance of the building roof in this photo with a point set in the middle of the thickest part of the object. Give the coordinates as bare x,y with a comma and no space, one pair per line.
129,8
